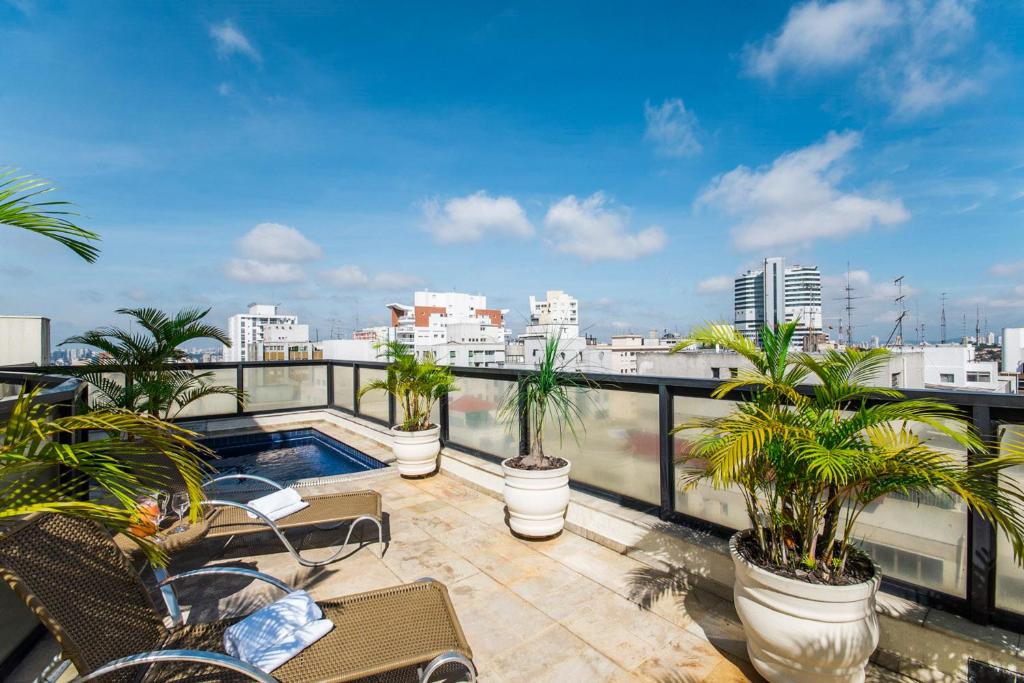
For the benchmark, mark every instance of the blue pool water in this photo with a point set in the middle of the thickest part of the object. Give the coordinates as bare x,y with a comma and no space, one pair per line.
288,456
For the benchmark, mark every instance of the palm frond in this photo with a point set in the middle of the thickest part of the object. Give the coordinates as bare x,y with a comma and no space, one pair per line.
21,206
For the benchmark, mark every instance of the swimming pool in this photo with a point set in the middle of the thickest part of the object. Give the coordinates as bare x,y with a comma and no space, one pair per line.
288,456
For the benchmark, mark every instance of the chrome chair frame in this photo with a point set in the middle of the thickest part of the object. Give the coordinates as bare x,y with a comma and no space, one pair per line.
277,530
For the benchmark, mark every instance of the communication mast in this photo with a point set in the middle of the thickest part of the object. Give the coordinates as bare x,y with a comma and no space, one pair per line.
942,320
901,303
849,298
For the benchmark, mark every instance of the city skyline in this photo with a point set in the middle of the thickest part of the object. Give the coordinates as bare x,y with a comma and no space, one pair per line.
225,161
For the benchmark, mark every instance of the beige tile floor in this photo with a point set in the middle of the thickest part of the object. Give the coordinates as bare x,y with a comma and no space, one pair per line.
561,610
565,609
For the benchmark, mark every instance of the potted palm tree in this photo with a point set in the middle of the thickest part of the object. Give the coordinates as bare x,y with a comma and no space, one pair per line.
536,485
808,462
158,379
115,466
417,385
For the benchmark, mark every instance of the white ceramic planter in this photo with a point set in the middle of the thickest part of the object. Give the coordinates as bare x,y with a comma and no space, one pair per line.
416,452
799,632
536,499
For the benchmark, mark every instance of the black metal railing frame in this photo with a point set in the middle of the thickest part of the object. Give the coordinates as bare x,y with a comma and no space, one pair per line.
985,410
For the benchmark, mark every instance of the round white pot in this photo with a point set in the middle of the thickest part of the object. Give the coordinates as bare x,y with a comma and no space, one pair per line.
799,632
536,499
416,452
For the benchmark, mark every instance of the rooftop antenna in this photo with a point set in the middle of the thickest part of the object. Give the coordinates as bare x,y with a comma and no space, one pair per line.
849,298
900,300
977,324
965,325
942,320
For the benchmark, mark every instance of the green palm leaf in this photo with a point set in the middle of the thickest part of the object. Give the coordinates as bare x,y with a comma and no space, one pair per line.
21,206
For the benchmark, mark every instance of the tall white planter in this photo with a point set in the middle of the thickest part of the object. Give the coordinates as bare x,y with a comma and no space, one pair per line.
416,452
536,499
799,632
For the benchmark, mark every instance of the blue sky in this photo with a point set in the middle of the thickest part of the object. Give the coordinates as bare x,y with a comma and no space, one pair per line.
333,157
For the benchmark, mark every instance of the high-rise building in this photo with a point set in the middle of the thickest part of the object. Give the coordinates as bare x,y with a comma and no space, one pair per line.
457,328
262,322
776,294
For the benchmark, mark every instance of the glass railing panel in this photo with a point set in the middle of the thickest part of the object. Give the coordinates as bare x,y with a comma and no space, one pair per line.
214,404
373,403
1009,574
618,442
343,386
473,417
98,397
285,386
703,501
920,539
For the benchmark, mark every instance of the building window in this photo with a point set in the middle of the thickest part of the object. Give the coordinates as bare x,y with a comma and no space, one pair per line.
895,379
946,377
979,377
451,354
716,373
733,372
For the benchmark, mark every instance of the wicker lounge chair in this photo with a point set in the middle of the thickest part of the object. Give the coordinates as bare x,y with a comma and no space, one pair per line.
231,518
83,589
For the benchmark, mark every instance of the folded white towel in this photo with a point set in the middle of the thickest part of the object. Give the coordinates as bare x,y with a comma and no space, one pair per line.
278,504
273,657
271,636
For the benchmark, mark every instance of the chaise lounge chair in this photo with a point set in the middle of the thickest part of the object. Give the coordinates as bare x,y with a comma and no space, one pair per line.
231,518
84,590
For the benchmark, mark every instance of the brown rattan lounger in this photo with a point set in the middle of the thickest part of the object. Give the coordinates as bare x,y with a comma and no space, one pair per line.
231,518
84,590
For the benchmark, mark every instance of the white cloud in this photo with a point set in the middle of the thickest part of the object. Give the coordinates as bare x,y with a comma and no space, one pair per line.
230,40
671,128
1004,269
354,277
224,89
593,230
796,200
471,218
272,253
253,271
715,284
276,242
907,52
817,36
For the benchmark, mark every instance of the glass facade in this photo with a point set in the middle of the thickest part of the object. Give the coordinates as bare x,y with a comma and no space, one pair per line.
288,386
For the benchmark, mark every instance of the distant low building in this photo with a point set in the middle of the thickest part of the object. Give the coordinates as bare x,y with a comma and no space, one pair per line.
24,340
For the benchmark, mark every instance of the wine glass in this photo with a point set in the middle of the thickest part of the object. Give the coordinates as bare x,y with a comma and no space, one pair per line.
180,503
162,512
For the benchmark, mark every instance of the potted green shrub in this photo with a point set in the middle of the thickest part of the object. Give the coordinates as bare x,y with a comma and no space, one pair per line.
417,385
536,485
808,462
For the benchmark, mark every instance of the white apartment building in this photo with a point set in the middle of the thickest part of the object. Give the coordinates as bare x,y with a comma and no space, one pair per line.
557,316
24,340
777,294
249,329
457,328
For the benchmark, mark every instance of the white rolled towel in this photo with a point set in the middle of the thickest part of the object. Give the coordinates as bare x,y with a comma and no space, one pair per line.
272,635
278,504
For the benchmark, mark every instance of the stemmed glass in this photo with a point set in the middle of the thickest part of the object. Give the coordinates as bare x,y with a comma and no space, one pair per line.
160,513
180,503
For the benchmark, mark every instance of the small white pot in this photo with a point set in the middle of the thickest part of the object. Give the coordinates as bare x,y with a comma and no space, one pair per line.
416,452
800,632
536,499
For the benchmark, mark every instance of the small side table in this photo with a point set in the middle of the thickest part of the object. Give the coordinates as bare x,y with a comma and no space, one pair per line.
171,543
